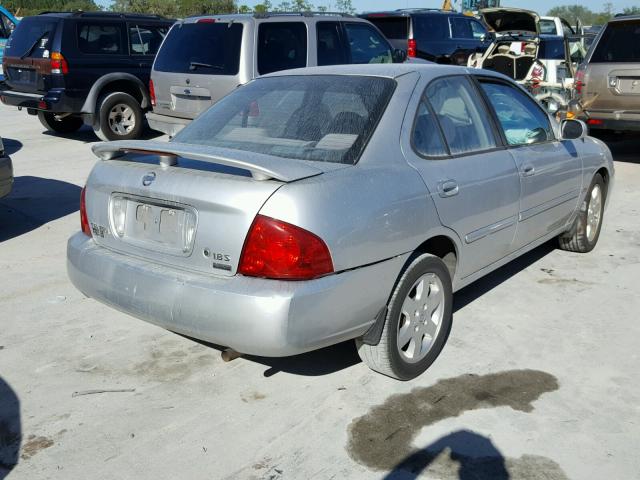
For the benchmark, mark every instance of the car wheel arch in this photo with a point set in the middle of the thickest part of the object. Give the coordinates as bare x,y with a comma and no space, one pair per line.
116,82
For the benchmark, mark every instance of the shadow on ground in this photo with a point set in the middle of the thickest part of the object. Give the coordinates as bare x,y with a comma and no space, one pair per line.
86,135
35,201
10,428
11,146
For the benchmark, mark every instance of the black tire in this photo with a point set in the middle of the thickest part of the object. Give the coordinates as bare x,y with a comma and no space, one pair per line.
68,124
112,117
387,356
580,238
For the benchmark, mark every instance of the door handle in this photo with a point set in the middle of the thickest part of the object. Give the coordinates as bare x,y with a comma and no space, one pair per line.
528,170
448,188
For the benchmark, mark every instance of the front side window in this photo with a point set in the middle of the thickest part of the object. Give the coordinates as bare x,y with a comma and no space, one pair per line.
427,139
325,118
330,48
547,27
479,32
281,46
521,118
100,39
460,28
145,40
367,45
464,121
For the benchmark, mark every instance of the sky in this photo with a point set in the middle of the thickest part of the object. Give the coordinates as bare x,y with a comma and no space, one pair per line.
541,6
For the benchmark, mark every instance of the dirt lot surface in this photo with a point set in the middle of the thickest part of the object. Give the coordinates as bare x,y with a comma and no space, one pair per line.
540,378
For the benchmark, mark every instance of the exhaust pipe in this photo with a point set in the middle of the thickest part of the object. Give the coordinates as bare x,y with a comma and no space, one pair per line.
230,354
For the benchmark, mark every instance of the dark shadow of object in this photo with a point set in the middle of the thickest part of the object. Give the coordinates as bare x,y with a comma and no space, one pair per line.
10,429
86,135
35,201
475,457
468,294
312,364
625,147
11,146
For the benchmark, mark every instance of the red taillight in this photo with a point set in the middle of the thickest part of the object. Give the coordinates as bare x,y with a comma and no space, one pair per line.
84,221
595,121
412,48
278,250
578,82
59,64
206,20
152,93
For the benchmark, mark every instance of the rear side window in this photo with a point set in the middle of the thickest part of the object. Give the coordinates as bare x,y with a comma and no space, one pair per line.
522,120
427,138
203,48
281,45
394,28
331,50
145,40
465,123
326,118
430,27
367,45
32,37
460,28
100,39
620,42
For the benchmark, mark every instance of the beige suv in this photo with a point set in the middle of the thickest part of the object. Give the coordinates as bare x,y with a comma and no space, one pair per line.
608,82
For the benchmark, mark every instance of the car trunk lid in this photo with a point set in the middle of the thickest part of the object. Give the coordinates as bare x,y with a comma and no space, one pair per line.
511,20
181,205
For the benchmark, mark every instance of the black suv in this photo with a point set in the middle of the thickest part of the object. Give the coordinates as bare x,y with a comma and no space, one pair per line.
435,35
75,68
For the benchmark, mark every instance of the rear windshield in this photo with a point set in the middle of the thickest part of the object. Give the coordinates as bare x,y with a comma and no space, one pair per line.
552,49
32,37
326,118
207,48
620,42
394,28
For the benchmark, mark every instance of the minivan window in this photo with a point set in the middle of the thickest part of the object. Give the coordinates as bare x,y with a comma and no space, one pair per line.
522,120
464,120
145,40
281,46
620,42
394,28
325,118
331,50
367,45
100,39
205,48
31,37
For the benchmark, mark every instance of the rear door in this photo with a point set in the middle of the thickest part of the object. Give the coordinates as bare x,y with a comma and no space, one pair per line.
463,39
549,169
330,43
432,36
366,45
612,77
144,43
471,178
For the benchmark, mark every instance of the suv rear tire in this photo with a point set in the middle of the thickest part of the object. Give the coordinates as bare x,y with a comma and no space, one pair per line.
119,117
68,124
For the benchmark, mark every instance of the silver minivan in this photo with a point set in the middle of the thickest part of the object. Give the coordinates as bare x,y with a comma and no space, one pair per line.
204,58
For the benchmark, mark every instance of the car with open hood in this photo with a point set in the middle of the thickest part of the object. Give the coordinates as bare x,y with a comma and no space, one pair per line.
319,205
544,64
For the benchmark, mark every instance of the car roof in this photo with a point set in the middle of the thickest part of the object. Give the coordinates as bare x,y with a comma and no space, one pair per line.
285,16
624,18
107,15
408,12
386,70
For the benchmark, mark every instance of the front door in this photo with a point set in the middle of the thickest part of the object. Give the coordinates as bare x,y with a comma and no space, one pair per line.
549,169
473,182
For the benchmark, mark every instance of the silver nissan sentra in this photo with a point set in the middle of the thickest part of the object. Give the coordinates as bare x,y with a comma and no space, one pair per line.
319,205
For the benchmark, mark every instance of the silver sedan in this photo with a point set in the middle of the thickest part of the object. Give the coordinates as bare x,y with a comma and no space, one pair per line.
319,205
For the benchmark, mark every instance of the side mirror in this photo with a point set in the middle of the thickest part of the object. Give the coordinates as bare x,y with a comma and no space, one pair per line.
573,129
399,55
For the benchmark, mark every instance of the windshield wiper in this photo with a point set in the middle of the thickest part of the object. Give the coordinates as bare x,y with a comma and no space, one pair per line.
195,65
33,45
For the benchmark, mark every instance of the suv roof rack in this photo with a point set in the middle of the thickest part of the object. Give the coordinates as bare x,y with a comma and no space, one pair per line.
302,14
423,9
82,13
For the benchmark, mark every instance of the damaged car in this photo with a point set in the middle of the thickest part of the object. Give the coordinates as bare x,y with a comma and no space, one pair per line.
543,64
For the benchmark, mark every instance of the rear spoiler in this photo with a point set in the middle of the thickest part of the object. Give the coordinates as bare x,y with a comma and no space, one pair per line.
261,167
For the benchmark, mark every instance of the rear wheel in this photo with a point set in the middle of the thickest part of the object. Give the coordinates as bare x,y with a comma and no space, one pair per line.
418,321
584,234
68,124
119,117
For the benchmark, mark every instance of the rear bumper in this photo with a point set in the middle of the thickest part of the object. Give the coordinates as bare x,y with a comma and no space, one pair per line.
251,315
6,176
166,124
610,120
55,100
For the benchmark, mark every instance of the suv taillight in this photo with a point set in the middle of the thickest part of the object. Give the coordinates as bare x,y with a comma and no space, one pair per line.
412,48
578,82
59,64
152,93
84,220
278,250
